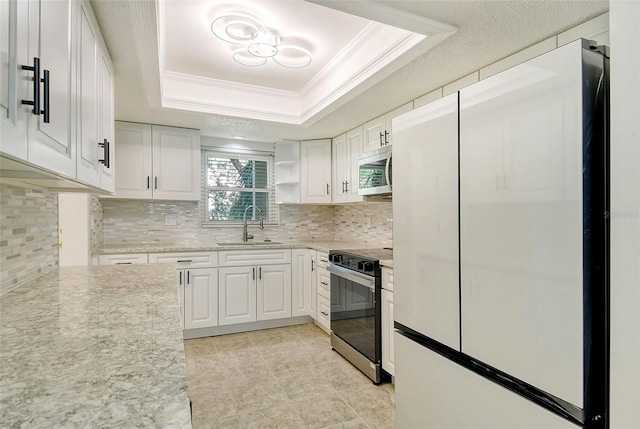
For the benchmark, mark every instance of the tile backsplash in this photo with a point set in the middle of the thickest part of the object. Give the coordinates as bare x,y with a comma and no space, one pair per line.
28,234
142,223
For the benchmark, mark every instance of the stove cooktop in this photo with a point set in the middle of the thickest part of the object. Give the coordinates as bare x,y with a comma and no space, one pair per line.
372,255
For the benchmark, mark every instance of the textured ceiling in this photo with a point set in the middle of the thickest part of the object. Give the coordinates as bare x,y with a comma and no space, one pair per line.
487,32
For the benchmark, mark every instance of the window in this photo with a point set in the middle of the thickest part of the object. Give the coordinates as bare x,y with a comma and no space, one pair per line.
235,183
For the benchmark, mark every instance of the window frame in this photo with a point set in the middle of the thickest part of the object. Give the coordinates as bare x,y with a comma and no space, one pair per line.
269,157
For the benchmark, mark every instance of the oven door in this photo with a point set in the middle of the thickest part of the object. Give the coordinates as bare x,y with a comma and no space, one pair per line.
353,310
374,172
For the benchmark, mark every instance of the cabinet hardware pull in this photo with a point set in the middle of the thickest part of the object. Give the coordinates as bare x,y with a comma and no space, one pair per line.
346,186
381,141
386,140
46,96
324,260
156,182
325,283
148,183
253,270
326,314
105,159
180,277
260,273
188,277
343,186
327,189
312,265
123,263
185,260
36,86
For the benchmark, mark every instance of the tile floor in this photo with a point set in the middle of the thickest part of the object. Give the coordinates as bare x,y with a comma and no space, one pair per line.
281,378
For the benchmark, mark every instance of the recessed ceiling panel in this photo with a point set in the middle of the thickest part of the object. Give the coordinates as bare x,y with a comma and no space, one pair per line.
309,36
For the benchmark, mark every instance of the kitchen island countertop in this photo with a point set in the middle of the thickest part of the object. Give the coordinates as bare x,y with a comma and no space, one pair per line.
97,346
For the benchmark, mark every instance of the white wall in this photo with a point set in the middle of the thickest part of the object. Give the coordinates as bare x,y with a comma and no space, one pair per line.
625,214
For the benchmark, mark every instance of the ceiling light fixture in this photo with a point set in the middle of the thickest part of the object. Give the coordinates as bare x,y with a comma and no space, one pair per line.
257,43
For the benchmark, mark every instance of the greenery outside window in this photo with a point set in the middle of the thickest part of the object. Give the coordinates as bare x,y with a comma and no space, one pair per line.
234,183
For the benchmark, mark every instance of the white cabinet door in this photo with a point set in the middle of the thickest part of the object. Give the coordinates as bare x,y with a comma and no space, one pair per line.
373,132
425,204
388,354
340,167
315,171
200,297
176,163
314,282
237,295
106,122
88,168
52,145
14,83
133,157
274,292
354,148
301,275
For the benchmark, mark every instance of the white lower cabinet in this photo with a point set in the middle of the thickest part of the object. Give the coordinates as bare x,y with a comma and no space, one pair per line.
323,289
302,290
123,259
250,293
199,288
388,360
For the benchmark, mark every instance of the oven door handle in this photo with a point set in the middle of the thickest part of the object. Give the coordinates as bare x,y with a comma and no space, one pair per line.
353,276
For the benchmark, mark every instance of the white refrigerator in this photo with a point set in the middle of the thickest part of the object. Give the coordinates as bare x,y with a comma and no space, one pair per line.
500,198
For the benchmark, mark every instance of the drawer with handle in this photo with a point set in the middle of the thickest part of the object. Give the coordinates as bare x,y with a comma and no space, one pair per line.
186,259
123,259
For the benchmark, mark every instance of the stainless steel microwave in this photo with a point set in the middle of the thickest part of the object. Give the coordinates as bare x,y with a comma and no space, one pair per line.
374,172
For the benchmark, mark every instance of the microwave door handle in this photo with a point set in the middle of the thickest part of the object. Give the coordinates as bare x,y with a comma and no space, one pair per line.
386,170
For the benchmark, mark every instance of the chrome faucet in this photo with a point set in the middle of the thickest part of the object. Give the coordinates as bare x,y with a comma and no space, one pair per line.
246,237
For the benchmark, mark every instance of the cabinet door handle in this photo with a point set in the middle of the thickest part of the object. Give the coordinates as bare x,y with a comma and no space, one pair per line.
180,278
324,313
105,157
188,277
346,186
122,263
156,182
381,137
313,265
253,270
327,189
36,86
184,260
46,96
386,140
324,283
324,260
148,182
260,273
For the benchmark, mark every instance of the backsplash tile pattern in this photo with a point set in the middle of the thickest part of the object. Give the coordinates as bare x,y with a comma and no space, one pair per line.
369,223
137,222
28,234
97,223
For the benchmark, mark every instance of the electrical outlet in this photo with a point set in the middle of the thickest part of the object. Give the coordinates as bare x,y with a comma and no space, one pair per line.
170,220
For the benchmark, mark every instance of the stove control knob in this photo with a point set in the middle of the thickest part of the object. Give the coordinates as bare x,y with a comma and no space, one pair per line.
368,266
336,258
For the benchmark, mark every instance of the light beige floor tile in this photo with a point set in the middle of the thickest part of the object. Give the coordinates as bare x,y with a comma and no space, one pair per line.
322,412
367,399
382,419
258,397
352,424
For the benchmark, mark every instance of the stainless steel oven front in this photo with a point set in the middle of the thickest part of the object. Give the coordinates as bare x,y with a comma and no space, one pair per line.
356,319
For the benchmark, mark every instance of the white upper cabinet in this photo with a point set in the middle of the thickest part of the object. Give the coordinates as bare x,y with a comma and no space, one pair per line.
51,88
106,132
378,132
155,162
315,171
347,149
52,133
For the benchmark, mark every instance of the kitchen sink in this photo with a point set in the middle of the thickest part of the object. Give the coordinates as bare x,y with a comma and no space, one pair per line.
248,243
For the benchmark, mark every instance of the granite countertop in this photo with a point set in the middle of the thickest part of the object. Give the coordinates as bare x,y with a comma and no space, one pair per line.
386,263
323,246
97,346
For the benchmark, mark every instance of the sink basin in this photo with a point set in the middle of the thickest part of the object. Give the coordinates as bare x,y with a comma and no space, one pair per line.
248,243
